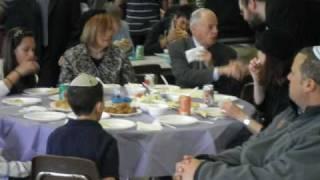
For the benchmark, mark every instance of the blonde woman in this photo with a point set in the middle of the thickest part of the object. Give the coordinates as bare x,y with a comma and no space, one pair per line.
95,55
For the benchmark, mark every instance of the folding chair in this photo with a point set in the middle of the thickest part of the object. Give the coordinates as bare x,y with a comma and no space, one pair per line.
51,167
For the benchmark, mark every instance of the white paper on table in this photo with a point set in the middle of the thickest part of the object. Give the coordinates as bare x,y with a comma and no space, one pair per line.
154,126
193,54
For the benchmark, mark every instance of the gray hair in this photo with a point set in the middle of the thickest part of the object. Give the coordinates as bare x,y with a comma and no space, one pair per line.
197,14
310,67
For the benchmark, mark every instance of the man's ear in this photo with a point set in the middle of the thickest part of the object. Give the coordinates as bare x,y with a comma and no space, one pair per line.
99,106
309,85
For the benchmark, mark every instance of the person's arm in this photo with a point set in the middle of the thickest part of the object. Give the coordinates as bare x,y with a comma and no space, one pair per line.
110,160
299,161
14,168
237,113
256,67
184,73
67,71
16,74
126,33
258,92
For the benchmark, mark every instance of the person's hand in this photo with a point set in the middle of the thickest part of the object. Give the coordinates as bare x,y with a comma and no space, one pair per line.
123,44
185,169
176,33
235,69
181,33
61,61
238,69
26,68
256,67
205,56
233,111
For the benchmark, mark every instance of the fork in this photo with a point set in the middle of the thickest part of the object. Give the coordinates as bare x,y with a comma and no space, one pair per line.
168,125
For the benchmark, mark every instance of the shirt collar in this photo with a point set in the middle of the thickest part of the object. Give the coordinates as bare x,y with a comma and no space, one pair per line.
309,109
83,122
196,43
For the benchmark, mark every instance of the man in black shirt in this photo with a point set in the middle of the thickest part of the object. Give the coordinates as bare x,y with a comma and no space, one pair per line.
288,16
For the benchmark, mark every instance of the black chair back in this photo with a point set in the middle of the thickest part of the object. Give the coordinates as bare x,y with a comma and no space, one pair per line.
51,167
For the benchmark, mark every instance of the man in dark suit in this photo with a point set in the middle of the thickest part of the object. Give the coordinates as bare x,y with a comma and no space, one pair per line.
214,63
60,19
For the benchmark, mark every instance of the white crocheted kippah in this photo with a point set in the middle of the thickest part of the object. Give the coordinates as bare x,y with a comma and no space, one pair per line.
84,80
316,51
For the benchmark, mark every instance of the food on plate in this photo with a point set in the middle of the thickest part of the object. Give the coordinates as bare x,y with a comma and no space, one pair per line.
194,105
120,108
15,101
62,104
123,44
151,99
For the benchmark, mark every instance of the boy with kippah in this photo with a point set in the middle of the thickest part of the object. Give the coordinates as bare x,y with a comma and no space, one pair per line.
85,137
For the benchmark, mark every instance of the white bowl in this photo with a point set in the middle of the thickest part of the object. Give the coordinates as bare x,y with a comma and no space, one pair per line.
111,88
135,89
157,109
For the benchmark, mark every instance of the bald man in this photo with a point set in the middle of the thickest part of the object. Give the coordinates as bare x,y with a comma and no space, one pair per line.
214,63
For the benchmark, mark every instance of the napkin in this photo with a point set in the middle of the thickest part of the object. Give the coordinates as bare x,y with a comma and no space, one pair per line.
192,54
32,109
154,126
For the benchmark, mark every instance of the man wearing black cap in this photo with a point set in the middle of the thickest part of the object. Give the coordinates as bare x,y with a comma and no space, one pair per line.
290,16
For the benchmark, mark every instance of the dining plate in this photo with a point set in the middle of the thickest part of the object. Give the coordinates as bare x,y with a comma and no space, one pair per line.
60,105
117,124
41,91
139,111
222,97
177,120
103,116
162,55
194,105
111,88
45,116
54,97
211,111
21,101
163,87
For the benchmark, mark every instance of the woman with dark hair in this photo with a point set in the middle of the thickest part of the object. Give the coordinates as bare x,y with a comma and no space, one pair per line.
20,62
269,72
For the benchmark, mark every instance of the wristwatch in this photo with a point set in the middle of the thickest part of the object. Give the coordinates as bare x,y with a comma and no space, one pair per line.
246,121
